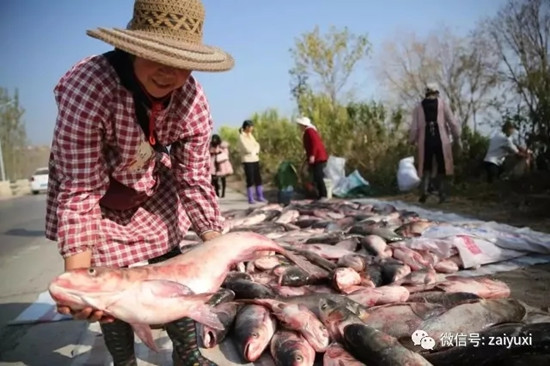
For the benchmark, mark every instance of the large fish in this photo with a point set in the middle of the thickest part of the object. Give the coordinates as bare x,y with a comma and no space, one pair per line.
210,337
480,348
312,301
336,355
447,299
299,318
123,295
480,315
335,317
483,287
376,348
180,285
289,348
254,328
401,320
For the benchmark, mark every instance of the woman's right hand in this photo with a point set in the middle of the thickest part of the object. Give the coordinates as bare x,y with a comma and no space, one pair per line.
83,260
88,314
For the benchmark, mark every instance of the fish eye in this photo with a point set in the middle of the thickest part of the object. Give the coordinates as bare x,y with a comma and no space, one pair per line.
298,358
255,335
91,271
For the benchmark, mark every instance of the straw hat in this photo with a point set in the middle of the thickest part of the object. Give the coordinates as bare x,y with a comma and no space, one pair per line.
304,121
168,32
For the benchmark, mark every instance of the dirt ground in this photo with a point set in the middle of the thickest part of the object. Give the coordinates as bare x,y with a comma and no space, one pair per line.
516,206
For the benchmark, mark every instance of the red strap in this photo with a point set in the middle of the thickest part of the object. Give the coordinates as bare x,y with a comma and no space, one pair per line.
155,109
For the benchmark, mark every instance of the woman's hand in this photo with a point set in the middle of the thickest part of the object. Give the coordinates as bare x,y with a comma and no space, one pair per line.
82,260
86,314
209,235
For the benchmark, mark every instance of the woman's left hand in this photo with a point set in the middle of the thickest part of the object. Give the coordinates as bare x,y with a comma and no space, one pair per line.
209,235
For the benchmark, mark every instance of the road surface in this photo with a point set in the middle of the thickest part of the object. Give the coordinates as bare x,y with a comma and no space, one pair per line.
28,262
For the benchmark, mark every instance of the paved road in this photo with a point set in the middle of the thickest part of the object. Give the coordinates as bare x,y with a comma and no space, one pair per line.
27,263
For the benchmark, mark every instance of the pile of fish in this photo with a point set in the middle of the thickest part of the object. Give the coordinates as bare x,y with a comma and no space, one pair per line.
365,294
320,283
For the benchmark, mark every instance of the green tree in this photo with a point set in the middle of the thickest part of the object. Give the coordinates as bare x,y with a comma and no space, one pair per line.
521,32
326,60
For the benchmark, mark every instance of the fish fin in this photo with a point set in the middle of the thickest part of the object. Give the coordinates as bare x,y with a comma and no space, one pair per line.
143,331
206,315
311,269
426,310
165,288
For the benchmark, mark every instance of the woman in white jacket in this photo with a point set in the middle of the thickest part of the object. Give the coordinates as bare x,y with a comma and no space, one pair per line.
250,149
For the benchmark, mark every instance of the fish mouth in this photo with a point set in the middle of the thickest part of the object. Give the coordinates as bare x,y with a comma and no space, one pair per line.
209,339
251,351
70,296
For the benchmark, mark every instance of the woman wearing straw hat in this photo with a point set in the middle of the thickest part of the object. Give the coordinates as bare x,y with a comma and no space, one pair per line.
117,197
316,154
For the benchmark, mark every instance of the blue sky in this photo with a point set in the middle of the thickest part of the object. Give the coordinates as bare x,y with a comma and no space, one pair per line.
42,39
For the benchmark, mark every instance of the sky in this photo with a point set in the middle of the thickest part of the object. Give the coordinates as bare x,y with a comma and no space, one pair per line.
40,40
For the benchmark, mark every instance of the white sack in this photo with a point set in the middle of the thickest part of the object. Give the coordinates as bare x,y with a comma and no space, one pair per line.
407,176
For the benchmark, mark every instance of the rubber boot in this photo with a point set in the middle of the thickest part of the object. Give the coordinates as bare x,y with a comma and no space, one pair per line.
186,351
223,187
260,194
250,194
119,340
424,185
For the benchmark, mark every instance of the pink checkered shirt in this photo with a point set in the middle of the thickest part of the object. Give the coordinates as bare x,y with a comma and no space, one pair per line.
97,136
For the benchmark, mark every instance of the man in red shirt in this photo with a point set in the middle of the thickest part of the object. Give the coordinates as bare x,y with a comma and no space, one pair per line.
316,154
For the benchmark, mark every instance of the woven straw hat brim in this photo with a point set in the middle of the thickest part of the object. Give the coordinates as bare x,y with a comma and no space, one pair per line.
178,54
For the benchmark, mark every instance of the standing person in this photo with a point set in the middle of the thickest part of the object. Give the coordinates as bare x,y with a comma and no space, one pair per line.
116,196
250,150
221,165
316,154
500,146
431,122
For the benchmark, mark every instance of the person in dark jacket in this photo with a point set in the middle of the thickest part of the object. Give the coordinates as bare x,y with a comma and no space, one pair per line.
316,154
432,127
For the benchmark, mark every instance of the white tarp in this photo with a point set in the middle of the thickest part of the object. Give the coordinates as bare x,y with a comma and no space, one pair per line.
478,242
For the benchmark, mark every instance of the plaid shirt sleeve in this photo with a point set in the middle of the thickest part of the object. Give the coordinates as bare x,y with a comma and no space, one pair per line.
76,152
192,169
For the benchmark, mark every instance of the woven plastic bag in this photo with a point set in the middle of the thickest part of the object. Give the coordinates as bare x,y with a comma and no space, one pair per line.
407,176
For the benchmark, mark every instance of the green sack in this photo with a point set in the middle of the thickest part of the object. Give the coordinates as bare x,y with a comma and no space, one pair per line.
286,176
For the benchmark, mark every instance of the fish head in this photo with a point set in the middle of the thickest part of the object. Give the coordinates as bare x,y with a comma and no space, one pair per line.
78,287
327,309
259,337
295,352
255,344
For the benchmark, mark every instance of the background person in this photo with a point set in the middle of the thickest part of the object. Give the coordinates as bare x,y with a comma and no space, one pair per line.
250,150
501,145
116,196
220,164
316,154
431,121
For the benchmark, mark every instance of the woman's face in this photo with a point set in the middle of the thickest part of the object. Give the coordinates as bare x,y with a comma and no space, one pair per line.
159,80
249,129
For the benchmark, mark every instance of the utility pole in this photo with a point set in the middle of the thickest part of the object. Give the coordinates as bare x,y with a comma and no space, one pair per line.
2,167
